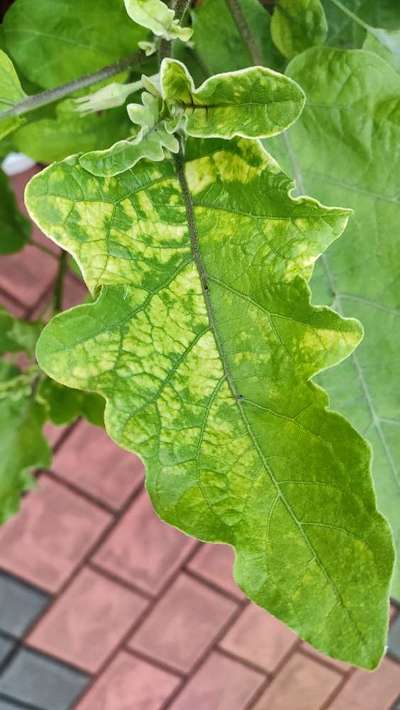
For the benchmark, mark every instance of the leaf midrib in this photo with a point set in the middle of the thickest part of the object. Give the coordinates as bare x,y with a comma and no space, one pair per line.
195,246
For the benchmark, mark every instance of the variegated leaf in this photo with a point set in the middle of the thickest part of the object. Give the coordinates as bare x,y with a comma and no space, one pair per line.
203,341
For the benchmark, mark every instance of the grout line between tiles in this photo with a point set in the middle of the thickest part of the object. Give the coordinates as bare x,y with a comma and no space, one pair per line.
336,691
243,661
257,695
209,647
323,661
122,645
69,580
65,436
54,476
117,580
18,704
207,651
13,299
212,585
151,660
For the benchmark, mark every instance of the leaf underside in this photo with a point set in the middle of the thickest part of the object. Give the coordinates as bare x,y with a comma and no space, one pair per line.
345,148
203,342
157,17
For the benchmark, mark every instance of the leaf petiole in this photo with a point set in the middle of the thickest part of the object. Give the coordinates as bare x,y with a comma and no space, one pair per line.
245,32
59,283
351,14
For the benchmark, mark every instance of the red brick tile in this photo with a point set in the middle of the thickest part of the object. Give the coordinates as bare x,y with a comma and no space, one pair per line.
370,691
183,623
18,183
260,638
214,563
85,625
302,684
53,433
142,549
129,683
339,665
75,292
10,306
220,684
27,274
91,461
50,535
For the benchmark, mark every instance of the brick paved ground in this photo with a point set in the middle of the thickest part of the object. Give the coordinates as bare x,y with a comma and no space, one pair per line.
104,607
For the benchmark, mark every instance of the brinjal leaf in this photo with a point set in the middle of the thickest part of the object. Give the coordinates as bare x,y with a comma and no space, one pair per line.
203,341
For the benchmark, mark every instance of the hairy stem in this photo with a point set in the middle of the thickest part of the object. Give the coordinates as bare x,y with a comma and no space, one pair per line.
181,8
37,380
60,92
59,282
164,50
245,31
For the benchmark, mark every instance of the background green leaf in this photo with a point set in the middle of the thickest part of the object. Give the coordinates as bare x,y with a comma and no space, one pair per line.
345,149
231,53
51,139
14,227
17,335
23,447
11,93
295,26
55,41
64,404
344,32
203,341
385,43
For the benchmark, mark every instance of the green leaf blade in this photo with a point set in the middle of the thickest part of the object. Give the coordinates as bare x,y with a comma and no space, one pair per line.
23,446
250,103
151,142
67,43
17,335
203,346
15,228
11,93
